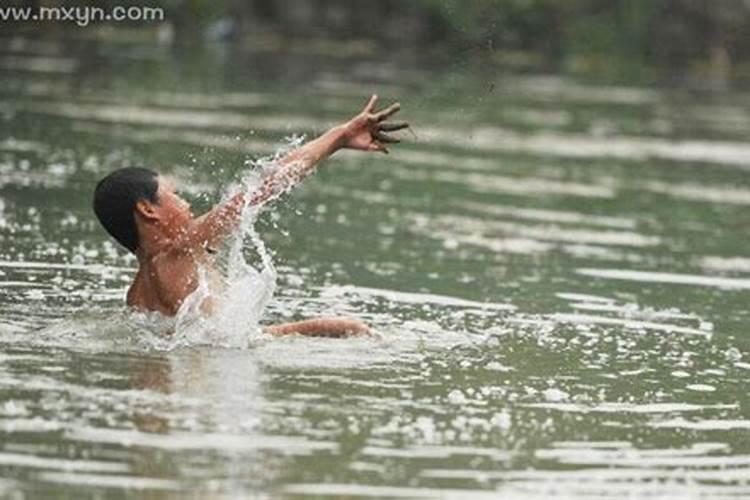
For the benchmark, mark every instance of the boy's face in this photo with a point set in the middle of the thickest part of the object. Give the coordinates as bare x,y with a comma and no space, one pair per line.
173,210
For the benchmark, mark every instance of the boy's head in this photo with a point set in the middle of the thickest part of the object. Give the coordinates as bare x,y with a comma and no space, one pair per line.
131,196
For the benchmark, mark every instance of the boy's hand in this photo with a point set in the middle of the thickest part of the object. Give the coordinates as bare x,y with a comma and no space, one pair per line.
366,130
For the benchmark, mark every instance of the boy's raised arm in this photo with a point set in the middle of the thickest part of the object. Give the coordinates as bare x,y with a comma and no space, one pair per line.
208,229
364,132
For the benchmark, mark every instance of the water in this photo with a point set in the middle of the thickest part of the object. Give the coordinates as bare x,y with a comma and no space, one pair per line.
556,271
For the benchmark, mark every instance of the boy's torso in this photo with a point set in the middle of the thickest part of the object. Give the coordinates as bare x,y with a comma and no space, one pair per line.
164,281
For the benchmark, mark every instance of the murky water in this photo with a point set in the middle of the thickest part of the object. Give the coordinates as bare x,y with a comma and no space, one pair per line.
557,272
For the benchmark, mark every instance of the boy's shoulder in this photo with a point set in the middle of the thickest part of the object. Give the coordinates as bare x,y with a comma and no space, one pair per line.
163,281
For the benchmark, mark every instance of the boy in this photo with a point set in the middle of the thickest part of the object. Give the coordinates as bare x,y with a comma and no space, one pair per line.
140,209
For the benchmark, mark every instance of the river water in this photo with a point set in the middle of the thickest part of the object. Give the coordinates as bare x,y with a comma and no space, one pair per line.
556,270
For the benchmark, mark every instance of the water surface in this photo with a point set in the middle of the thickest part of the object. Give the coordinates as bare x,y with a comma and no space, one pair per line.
556,269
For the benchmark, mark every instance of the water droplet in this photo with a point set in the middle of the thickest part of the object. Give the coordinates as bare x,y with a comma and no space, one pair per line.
456,397
555,395
733,354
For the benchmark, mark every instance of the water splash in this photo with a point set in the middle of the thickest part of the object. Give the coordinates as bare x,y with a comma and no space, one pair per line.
248,284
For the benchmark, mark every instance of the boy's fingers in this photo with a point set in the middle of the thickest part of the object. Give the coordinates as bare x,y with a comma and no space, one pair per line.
393,126
371,103
377,146
387,111
386,139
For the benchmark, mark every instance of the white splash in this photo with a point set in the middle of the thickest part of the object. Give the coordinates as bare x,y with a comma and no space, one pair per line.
237,306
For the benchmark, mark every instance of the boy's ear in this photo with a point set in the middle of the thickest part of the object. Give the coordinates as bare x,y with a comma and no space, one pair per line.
146,210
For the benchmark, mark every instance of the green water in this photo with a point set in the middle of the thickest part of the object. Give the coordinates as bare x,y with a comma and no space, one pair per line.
557,271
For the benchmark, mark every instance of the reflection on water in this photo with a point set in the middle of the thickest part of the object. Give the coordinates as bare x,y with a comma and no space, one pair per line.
554,273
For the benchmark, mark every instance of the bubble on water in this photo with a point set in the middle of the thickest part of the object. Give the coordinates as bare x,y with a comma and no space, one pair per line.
501,420
554,395
706,326
68,220
425,426
450,243
59,169
456,397
733,354
14,409
715,371
498,367
35,294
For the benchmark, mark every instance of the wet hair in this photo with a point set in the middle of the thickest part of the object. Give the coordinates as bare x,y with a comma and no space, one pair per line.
115,198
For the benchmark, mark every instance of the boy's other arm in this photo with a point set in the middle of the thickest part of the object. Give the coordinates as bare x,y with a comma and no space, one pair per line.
364,132
320,327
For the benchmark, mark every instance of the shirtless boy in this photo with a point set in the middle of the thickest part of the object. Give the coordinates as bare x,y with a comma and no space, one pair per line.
141,210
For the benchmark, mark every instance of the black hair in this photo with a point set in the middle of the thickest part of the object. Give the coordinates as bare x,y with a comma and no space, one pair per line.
115,198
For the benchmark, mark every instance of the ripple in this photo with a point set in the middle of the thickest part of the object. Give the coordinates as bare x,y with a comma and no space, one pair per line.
507,237
524,186
14,145
177,441
168,117
371,491
39,64
436,452
584,146
36,462
93,268
617,482
634,408
632,310
411,297
668,278
556,89
125,482
585,298
694,458
726,264
191,137
630,324
700,387
559,216
473,225
700,192
521,246
702,425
